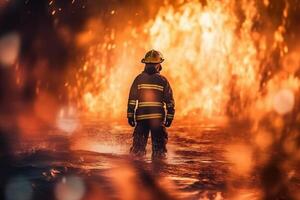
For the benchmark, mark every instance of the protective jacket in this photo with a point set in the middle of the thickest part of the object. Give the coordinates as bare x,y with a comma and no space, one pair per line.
150,95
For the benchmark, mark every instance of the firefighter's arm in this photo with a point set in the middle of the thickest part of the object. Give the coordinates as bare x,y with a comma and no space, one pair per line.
170,103
132,100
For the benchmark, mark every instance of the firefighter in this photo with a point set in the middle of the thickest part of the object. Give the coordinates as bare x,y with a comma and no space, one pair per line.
150,95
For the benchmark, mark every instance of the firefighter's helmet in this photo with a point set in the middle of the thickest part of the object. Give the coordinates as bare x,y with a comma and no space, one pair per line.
153,56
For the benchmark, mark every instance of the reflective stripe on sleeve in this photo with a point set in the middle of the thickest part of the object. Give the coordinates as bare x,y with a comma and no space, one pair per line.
129,114
132,102
170,116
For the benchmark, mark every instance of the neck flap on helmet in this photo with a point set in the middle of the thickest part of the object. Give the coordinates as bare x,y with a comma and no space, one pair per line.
151,68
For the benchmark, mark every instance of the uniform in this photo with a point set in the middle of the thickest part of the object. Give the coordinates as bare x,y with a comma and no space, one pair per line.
151,106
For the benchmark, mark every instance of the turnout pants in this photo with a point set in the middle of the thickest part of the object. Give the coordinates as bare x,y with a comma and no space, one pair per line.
159,138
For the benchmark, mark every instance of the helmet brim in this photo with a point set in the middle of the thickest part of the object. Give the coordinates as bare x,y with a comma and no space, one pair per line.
149,62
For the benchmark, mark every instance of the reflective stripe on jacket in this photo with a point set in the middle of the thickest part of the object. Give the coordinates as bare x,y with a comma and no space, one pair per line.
150,95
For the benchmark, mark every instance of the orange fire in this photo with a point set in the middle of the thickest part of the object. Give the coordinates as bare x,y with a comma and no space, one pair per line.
216,61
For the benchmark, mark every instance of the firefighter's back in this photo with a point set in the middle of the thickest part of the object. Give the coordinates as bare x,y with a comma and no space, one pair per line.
150,96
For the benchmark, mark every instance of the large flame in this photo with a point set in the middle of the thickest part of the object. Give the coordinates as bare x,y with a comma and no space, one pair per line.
215,60
200,44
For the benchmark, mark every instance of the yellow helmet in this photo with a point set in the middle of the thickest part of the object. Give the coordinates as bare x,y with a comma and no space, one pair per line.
153,56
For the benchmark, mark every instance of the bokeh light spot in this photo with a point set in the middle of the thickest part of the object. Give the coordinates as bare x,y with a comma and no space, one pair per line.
67,119
9,49
18,188
283,101
70,188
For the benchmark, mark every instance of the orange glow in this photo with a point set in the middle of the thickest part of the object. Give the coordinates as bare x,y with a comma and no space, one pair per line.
214,60
235,77
242,159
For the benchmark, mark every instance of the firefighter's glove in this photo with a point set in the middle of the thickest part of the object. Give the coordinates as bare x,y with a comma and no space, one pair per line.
131,121
168,122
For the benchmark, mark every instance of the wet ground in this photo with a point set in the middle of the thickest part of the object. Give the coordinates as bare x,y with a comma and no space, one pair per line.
97,156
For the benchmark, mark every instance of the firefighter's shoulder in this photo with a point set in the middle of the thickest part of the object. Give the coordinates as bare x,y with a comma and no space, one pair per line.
163,78
139,76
